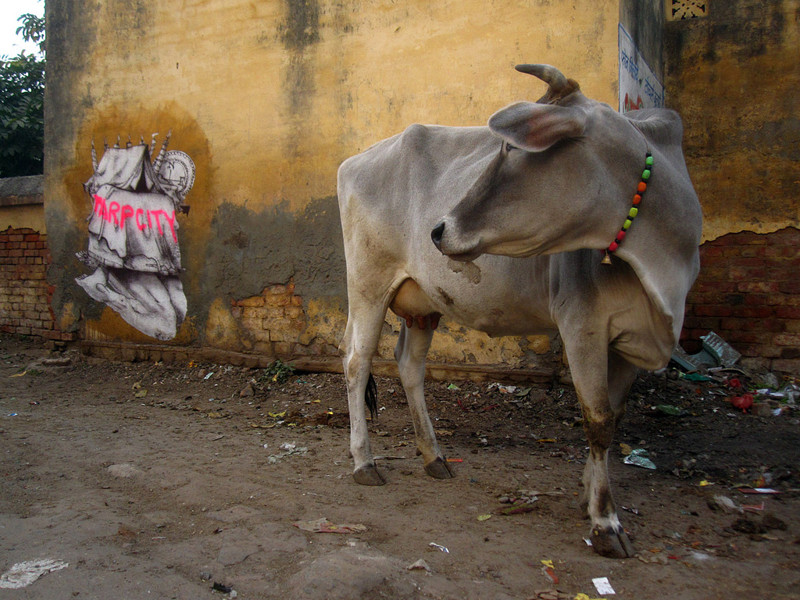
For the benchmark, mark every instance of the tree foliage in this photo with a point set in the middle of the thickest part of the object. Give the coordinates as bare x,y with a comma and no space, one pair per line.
22,105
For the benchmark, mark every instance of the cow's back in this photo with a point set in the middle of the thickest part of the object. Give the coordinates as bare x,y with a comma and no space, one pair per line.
413,177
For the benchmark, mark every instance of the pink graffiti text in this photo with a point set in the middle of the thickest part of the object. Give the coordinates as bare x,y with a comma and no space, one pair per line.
114,212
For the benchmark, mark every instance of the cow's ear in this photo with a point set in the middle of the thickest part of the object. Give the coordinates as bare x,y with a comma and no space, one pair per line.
536,127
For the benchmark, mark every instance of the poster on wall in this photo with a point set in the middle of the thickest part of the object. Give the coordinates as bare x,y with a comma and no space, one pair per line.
638,86
133,234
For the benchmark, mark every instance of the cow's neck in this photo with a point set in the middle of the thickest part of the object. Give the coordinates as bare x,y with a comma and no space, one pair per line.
634,210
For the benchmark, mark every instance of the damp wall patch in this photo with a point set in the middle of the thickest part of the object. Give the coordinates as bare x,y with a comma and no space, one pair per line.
133,249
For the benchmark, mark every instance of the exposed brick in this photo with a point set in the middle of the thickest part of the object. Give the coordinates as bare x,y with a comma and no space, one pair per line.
277,300
254,301
24,292
788,312
788,287
790,353
713,310
786,366
770,287
787,339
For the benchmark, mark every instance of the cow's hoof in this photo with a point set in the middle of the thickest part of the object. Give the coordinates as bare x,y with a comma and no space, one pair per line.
439,469
369,475
612,543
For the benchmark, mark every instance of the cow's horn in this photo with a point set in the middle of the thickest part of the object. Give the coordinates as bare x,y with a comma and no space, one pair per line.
547,73
558,86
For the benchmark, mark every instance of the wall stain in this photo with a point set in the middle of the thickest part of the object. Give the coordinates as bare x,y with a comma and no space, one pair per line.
301,27
249,250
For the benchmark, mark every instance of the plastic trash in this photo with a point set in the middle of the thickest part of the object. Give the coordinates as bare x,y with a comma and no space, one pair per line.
743,402
669,409
720,350
439,547
716,352
603,586
25,573
639,458
727,504
549,570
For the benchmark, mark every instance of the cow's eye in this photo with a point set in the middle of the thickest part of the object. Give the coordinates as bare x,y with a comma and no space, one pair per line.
510,147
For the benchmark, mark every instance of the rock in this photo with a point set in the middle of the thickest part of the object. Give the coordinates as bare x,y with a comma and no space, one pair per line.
419,565
124,470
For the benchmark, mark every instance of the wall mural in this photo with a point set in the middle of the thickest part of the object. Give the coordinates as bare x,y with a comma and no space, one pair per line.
133,234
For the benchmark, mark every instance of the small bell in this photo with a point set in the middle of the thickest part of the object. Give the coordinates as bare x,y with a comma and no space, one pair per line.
606,259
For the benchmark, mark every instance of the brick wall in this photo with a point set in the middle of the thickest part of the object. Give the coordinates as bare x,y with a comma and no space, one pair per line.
274,320
748,292
24,292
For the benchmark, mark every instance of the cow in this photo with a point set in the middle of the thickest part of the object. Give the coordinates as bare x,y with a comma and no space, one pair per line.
561,214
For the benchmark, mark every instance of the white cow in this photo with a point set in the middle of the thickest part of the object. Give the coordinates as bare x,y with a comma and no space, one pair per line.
535,220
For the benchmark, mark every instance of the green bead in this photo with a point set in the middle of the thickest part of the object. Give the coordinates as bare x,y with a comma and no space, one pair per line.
646,174
649,161
633,212
627,224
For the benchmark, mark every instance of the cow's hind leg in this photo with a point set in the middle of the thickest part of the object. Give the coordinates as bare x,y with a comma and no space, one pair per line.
410,352
358,347
602,385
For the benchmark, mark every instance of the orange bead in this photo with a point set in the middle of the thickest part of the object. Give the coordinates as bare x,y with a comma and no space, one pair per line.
636,199
642,187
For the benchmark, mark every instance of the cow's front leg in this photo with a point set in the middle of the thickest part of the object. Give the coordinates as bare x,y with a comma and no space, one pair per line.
608,535
358,346
602,381
412,347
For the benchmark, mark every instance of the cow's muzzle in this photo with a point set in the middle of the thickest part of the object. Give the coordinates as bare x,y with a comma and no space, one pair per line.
446,246
436,235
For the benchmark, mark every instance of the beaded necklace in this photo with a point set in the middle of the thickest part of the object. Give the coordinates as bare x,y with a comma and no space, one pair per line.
637,199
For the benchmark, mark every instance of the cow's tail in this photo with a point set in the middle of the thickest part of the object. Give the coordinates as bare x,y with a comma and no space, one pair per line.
371,396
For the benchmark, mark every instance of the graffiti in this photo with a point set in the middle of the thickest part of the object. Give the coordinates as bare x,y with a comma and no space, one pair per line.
631,104
133,235
638,86
115,213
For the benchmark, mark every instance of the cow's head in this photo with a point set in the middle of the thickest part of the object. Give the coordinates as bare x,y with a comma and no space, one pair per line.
553,185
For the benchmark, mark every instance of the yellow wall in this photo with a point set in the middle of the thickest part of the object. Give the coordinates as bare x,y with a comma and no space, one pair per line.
22,216
268,98
733,75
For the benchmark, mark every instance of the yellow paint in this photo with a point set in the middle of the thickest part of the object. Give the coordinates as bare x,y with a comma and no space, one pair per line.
739,107
22,216
223,330
268,122
224,63
325,322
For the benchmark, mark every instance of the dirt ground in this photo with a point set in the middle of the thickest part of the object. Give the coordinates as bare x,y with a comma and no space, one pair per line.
186,481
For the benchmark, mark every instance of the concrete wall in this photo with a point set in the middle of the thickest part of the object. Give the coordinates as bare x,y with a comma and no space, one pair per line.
733,74
268,98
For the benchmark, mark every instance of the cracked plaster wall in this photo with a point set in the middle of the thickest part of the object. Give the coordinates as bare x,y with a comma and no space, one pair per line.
268,98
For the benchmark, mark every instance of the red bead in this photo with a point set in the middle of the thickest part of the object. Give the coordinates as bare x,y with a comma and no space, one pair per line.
613,246
636,199
621,235
642,187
